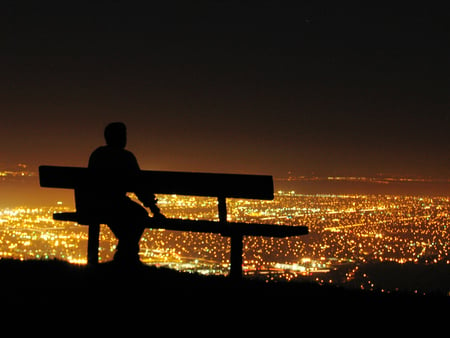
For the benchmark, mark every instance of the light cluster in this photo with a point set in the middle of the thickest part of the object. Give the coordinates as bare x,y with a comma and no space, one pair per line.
344,229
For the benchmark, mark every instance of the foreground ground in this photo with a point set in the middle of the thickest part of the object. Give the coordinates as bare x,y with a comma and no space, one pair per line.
44,279
108,298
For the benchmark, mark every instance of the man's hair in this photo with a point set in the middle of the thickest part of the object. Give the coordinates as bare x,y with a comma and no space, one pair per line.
115,134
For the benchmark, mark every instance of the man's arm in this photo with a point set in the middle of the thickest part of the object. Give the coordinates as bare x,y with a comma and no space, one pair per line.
147,198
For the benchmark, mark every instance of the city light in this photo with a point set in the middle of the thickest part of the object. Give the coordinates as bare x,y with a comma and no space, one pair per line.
344,229
347,233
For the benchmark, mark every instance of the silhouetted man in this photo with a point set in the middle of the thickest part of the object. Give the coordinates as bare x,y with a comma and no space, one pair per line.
115,169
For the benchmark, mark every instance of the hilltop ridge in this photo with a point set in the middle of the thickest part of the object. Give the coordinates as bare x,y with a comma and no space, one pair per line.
109,298
56,276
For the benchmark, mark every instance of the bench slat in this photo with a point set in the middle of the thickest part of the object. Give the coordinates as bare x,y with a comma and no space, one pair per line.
228,229
221,186
172,182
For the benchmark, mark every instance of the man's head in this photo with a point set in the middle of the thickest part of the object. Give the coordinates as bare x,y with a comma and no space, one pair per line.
116,134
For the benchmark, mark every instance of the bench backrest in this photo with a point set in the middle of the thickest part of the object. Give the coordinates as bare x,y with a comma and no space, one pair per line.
172,182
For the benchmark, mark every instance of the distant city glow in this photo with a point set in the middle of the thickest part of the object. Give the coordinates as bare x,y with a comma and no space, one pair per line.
345,231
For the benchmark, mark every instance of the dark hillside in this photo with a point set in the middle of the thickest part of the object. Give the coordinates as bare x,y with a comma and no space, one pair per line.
109,297
49,278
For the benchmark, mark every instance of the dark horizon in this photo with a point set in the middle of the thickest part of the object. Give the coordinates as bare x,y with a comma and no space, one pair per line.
267,89
26,192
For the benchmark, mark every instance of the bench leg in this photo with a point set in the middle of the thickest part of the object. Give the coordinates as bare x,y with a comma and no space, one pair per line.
236,257
236,243
93,244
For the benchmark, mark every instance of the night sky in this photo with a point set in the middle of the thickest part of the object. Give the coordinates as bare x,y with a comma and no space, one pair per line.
263,89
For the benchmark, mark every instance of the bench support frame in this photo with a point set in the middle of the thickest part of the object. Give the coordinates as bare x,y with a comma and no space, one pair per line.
93,243
236,243
222,186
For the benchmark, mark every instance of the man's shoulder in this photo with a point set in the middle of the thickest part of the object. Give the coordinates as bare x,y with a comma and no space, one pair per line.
128,154
111,155
100,149
113,150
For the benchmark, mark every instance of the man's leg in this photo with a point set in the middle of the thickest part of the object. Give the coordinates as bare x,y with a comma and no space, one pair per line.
128,227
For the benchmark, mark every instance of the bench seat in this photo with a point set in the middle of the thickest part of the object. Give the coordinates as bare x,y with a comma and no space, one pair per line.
225,229
221,186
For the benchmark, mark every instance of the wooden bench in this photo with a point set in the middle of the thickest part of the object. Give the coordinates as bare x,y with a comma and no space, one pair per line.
222,186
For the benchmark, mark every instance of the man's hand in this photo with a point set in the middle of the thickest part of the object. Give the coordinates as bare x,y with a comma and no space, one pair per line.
159,217
153,207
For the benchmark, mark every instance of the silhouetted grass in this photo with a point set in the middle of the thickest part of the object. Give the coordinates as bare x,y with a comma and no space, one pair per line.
61,285
108,299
